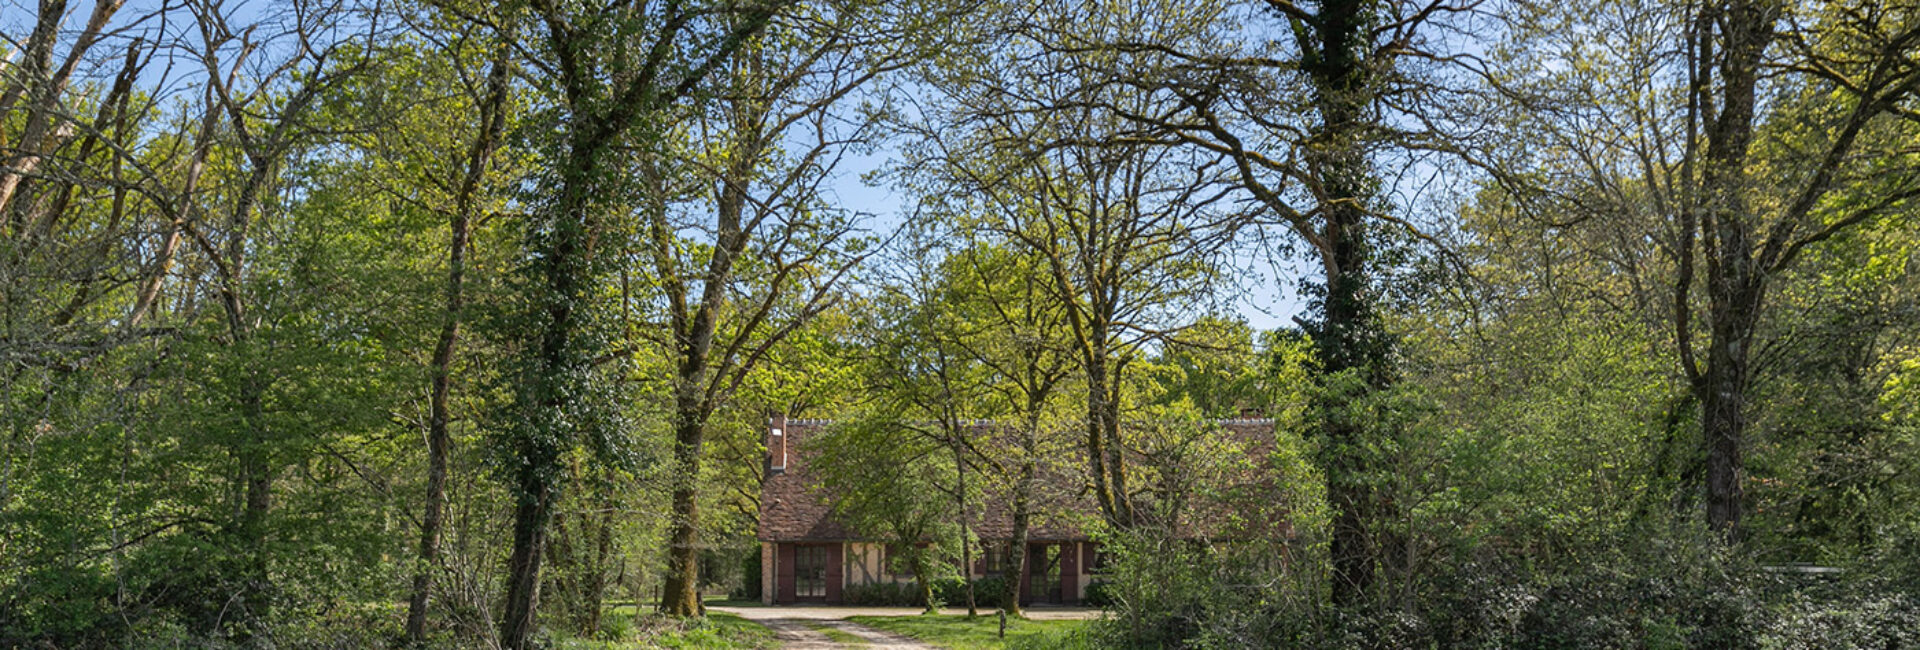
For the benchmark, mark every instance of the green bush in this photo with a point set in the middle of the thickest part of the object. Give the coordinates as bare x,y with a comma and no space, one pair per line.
949,592
987,591
1661,594
990,591
1099,594
1870,618
891,594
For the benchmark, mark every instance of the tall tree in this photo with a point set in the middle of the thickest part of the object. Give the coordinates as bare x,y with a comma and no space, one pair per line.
1005,320
267,119
611,96
746,252
1129,232
1861,52
1763,129
467,181
1305,118
972,359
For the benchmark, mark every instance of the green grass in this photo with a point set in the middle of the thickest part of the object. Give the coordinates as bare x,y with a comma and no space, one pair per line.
723,601
722,631
837,635
958,633
718,631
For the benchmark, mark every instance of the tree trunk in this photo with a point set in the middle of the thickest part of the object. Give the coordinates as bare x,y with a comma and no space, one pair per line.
37,63
920,571
1016,556
530,517
257,472
1116,449
1097,445
1725,421
439,440
596,578
1735,277
681,596
564,269
560,582
1349,337
1104,451
35,82
966,525
1352,488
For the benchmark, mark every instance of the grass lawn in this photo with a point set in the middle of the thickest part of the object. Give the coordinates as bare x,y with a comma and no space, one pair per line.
958,633
837,635
718,631
723,601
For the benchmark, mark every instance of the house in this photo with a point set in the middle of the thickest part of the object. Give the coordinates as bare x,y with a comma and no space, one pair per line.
807,555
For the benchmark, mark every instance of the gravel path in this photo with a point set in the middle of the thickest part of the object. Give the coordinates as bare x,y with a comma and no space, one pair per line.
877,638
837,612
795,625
795,634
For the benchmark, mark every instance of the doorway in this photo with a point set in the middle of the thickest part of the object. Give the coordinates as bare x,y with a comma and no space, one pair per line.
1043,573
810,572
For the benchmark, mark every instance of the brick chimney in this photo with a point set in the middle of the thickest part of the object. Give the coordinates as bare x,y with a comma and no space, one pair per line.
776,444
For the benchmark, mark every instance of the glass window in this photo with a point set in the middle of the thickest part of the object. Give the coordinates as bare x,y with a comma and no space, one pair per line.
1043,573
810,571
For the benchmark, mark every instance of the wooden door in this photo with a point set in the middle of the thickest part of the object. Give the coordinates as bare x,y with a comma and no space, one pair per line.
1043,573
810,572
1070,572
783,574
835,573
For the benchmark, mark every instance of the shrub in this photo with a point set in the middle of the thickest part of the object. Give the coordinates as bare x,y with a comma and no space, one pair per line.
894,594
1099,593
987,591
949,592
990,591
1671,593
1873,618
